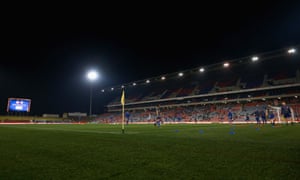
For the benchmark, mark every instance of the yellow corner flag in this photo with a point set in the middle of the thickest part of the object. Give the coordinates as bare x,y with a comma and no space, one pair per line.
123,104
123,97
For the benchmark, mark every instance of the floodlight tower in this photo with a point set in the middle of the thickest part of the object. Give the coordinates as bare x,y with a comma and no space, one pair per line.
92,76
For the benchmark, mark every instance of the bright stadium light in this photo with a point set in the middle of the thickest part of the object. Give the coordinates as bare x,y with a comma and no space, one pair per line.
292,51
254,58
180,74
92,76
148,81
112,88
163,78
201,70
226,64
103,90
122,86
134,84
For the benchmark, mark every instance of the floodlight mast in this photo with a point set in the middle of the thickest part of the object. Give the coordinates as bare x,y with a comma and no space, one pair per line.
92,76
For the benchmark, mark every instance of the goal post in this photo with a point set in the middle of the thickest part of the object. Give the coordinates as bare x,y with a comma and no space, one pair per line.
278,113
277,110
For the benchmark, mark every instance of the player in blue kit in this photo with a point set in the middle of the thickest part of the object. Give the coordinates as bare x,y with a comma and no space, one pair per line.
247,118
263,116
127,115
230,116
271,117
257,116
286,113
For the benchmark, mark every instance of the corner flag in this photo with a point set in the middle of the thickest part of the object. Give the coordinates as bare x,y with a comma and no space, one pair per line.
123,104
123,97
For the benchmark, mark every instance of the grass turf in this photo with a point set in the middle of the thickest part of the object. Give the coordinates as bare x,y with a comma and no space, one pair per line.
146,152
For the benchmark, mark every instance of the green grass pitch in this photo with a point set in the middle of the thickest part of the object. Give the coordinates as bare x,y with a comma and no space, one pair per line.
94,151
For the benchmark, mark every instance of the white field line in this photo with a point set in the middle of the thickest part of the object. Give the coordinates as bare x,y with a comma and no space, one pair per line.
72,130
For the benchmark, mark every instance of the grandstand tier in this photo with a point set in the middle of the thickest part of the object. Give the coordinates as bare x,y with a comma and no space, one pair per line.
209,96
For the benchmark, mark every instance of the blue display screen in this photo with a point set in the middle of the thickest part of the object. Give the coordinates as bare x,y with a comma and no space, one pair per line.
22,105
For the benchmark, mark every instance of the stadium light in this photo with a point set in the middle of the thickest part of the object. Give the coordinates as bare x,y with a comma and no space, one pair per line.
92,76
254,58
201,70
180,74
103,90
292,51
134,84
112,88
163,78
148,81
226,64
122,86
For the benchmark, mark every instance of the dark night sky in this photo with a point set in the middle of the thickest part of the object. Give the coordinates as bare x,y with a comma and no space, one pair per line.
46,58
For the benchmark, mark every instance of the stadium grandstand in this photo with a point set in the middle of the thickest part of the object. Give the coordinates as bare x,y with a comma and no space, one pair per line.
206,95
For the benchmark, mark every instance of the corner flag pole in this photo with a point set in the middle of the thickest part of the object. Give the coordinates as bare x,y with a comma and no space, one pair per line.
123,104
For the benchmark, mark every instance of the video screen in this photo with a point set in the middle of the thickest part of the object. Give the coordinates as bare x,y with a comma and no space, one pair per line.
18,104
